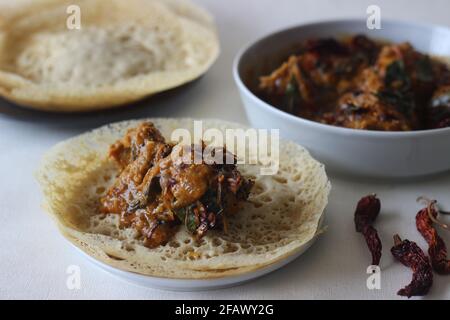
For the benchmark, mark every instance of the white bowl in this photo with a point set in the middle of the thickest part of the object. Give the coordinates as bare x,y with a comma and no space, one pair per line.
360,152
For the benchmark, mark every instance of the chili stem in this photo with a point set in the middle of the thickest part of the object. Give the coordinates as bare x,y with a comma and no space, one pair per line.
432,205
397,240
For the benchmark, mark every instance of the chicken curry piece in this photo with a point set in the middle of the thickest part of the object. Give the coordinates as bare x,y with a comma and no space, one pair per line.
161,187
361,84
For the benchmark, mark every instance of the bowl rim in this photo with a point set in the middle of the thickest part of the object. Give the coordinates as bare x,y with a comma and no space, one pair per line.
327,127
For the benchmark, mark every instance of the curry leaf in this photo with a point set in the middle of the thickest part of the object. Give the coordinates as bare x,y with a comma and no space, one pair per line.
187,216
292,95
403,101
424,69
396,74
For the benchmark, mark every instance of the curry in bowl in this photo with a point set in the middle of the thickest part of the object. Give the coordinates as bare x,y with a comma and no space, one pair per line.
360,83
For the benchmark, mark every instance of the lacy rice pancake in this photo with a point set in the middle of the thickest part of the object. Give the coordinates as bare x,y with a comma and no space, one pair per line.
123,52
119,194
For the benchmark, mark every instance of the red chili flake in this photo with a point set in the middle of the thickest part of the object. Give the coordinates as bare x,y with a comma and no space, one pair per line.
436,246
366,212
410,255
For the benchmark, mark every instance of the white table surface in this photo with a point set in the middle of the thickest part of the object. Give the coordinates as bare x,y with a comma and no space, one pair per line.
34,257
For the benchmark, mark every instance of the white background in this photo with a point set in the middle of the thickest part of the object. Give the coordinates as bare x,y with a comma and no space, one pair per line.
34,257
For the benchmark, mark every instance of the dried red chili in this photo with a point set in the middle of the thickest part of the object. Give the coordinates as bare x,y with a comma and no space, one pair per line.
436,246
410,255
366,212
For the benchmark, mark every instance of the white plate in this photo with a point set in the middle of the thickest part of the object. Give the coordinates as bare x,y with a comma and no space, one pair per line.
192,285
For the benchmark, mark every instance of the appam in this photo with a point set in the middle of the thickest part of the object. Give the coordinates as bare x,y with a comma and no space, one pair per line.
283,215
124,52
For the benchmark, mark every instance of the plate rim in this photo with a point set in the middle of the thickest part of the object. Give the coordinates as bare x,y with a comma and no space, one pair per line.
192,285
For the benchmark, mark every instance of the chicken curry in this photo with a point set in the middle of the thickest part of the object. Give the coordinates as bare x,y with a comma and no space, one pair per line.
361,84
157,190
